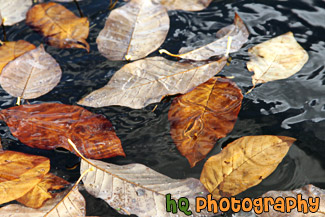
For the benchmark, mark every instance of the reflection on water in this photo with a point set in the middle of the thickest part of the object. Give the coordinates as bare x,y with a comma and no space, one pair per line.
291,107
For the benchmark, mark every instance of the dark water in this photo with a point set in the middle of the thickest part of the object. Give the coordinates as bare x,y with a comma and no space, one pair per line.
292,107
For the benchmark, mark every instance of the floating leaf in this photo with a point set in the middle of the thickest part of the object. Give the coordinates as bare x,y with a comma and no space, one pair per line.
277,58
19,173
14,11
306,192
133,31
189,5
137,189
140,83
204,115
48,125
238,32
243,164
31,75
11,50
41,192
61,27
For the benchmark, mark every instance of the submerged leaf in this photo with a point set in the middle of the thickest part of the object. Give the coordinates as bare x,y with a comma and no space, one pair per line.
277,58
238,32
31,75
49,125
14,11
19,173
133,31
11,50
61,27
243,164
188,5
147,81
204,115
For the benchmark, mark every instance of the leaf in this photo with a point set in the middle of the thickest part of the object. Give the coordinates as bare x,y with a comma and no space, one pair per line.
14,11
147,81
275,59
41,192
204,115
137,189
133,31
61,27
238,32
306,192
31,75
243,164
192,5
11,50
49,125
19,173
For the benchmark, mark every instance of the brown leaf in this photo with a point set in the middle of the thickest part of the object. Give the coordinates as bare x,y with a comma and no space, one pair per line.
61,27
239,33
204,115
19,173
50,125
14,11
243,164
188,5
41,192
133,31
147,81
31,75
306,192
277,58
11,50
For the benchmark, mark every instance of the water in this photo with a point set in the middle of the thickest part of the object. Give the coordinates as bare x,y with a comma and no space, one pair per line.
292,107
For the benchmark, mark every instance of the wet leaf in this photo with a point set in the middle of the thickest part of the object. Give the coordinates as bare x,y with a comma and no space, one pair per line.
137,189
20,173
204,115
243,164
11,50
306,192
14,11
31,75
277,58
192,5
42,191
61,27
49,125
238,32
133,31
147,81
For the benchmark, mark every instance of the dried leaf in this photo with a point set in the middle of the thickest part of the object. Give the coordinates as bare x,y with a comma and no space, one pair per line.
61,27
192,5
133,31
14,11
138,189
239,33
147,81
204,115
41,192
275,59
11,50
243,164
306,192
19,173
31,75
49,125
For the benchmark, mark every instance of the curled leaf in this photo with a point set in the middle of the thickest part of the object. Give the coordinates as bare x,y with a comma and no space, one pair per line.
49,125
204,115
61,27
133,31
277,58
14,11
243,164
31,75
147,81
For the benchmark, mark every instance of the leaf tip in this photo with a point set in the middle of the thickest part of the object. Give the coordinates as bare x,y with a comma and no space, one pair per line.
128,57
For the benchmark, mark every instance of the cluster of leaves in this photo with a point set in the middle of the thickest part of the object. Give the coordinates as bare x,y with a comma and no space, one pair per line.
206,112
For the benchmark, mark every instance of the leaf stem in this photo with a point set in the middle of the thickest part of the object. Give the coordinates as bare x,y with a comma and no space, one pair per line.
80,12
4,30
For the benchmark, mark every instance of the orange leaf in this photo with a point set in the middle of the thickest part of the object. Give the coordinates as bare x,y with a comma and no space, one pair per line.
204,115
50,125
61,27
